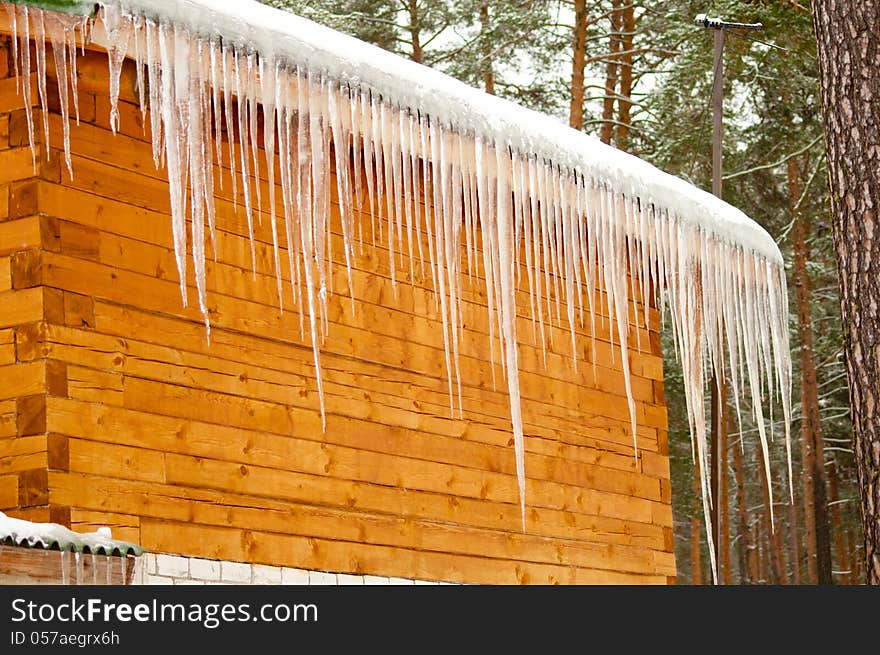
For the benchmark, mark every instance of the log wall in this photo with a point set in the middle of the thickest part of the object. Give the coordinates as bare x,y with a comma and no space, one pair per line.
115,410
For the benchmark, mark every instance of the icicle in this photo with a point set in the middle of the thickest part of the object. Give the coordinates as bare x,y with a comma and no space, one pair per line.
227,85
137,27
172,47
442,253
343,184
24,50
507,302
154,81
40,49
243,124
12,13
117,28
65,567
56,30
78,565
305,145
268,85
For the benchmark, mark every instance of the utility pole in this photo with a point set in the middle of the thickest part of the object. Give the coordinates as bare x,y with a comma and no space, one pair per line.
718,439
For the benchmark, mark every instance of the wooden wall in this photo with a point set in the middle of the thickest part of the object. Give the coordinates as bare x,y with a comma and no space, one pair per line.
115,410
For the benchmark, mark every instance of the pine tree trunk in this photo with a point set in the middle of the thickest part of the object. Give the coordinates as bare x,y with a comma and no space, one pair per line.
794,534
415,31
486,50
624,116
578,59
813,473
696,560
776,536
843,563
775,549
848,55
611,73
743,540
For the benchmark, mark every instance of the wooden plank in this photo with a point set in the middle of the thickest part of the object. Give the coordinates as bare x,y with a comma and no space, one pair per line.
22,453
23,199
10,99
348,526
8,491
81,277
228,507
4,124
30,415
97,386
239,545
124,527
605,434
201,440
15,164
108,460
298,487
7,347
402,422
7,418
406,315
33,514
322,458
20,234
5,273
22,380
254,415
33,488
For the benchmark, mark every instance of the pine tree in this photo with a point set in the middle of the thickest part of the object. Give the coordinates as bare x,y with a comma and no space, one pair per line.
848,52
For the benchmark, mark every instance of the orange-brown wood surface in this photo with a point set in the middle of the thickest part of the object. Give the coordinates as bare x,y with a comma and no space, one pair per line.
116,410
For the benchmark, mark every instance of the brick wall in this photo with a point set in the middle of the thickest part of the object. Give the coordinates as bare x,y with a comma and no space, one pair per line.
162,569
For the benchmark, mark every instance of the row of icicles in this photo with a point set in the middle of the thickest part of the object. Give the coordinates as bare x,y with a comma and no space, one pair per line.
566,230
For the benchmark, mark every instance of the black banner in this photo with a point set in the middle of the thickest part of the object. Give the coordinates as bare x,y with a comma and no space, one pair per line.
417,618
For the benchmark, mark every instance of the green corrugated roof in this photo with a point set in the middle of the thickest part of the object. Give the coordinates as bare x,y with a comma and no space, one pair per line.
51,536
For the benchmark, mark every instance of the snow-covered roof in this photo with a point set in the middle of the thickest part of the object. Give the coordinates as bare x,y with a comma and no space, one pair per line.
286,36
51,536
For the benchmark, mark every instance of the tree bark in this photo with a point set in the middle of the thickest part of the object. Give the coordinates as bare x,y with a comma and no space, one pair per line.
624,116
744,538
578,61
848,54
486,63
611,73
775,547
415,31
843,563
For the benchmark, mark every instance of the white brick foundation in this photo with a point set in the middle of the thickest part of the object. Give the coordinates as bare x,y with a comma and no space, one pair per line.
162,569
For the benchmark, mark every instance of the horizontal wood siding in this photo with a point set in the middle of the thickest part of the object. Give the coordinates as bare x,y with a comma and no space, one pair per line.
216,449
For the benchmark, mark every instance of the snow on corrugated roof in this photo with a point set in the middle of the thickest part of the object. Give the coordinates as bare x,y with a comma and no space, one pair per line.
51,536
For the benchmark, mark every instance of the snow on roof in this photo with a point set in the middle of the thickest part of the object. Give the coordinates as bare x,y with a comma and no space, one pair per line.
286,36
51,536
